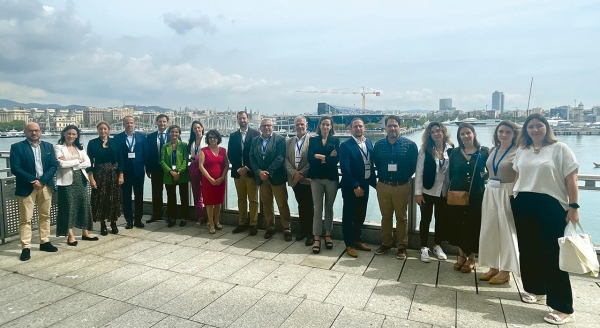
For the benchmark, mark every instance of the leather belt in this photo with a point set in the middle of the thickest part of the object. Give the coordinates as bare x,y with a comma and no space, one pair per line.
393,183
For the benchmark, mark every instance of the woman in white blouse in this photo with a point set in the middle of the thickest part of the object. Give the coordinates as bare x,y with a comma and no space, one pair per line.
431,185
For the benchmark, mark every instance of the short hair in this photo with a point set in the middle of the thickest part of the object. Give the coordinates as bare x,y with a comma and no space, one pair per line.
161,116
214,133
524,140
469,126
392,117
175,126
77,142
323,118
300,117
427,142
241,112
356,119
509,124
103,123
128,116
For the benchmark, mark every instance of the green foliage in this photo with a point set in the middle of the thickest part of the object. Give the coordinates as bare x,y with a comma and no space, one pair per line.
339,127
370,126
18,125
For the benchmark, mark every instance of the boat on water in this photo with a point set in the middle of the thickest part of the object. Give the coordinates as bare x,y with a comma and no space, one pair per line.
470,120
596,164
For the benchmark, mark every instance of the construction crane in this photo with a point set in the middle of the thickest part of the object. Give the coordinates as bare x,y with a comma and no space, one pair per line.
363,93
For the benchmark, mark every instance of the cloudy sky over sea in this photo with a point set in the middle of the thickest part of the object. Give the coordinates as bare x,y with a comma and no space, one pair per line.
226,53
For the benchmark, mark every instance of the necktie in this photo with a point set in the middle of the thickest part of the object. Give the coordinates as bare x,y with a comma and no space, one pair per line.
162,140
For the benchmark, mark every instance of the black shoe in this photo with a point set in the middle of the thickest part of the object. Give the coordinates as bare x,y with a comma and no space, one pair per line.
89,238
114,229
287,236
382,249
25,254
138,224
300,237
269,234
182,223
71,243
240,228
152,219
310,239
47,247
171,223
129,225
253,230
103,230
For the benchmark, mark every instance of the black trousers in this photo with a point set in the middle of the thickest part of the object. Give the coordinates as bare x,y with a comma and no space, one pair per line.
354,212
184,194
427,212
132,181
540,220
306,209
157,181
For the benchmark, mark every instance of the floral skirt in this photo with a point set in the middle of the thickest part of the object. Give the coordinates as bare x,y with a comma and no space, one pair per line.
106,198
74,206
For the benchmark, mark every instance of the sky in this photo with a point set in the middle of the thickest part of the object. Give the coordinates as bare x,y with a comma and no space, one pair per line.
257,54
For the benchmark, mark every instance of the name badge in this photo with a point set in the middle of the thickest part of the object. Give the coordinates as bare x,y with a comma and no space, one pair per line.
130,155
392,167
173,167
494,183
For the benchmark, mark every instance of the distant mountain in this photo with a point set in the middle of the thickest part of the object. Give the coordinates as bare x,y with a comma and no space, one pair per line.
150,108
5,103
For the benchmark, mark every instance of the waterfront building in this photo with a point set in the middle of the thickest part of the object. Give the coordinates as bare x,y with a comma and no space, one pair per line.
498,101
561,111
446,104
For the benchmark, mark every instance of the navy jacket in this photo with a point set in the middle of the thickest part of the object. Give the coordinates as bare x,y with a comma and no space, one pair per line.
273,161
133,165
22,166
353,166
154,154
234,151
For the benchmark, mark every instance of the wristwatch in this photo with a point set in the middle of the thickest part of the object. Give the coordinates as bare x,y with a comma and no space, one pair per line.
574,205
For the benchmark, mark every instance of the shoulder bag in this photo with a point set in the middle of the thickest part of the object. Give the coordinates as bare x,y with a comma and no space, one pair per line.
577,254
461,198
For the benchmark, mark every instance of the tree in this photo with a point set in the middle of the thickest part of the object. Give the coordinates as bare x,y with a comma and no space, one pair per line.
370,126
339,126
18,125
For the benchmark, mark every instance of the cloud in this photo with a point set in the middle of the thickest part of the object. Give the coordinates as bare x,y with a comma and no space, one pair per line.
184,24
412,95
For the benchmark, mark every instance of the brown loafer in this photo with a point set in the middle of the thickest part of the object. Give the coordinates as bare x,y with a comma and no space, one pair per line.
496,281
351,251
487,276
362,246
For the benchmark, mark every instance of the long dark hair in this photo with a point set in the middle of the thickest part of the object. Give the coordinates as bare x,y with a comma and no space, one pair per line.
476,143
323,118
192,140
76,143
427,142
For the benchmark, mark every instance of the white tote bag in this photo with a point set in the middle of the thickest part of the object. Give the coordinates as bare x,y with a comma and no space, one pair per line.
577,254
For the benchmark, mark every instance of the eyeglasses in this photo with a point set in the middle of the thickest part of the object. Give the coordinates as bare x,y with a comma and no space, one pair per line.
266,125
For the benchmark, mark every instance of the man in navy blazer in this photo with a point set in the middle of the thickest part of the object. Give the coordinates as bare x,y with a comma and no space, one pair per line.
154,170
135,152
33,164
357,175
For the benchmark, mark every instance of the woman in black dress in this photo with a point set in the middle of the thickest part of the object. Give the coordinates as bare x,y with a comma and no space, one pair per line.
467,172
106,177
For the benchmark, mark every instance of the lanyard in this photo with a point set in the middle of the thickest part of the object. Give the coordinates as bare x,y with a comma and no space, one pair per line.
365,155
265,144
174,157
132,144
441,162
300,144
496,166
393,154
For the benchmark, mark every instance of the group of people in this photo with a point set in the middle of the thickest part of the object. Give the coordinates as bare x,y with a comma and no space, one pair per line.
512,223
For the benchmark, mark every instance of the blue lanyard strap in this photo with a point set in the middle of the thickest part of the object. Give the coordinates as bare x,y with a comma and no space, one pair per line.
174,157
393,154
496,166
265,144
300,144
132,144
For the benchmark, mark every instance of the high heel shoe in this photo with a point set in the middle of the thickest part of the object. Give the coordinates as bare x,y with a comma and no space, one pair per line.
113,228
316,249
103,230
459,263
468,266
328,244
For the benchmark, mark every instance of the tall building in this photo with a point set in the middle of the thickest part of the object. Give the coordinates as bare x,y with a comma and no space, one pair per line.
498,101
446,104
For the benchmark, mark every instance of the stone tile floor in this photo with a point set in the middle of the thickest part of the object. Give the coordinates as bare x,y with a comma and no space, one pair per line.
186,277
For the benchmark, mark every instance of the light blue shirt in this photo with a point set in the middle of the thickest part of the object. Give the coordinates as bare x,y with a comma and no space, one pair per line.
37,154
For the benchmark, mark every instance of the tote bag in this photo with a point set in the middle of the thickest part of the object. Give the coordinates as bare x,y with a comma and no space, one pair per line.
577,254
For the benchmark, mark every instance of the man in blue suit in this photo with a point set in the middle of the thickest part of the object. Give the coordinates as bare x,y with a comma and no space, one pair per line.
135,151
357,175
33,164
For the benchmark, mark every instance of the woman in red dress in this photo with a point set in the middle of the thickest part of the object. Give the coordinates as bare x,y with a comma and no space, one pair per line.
213,164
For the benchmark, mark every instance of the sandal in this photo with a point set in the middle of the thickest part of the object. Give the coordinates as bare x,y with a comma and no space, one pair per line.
458,265
328,243
468,267
488,275
218,226
532,298
197,225
316,248
555,319
211,230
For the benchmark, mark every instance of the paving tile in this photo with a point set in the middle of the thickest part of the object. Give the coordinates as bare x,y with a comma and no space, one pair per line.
586,295
473,309
66,267
263,248
57,311
223,242
178,237
96,316
270,311
456,280
391,298
138,284
352,291
354,318
131,249
171,321
327,258
507,290
35,264
178,256
152,254
312,314
225,267
196,298
520,314
204,237
393,322
3,273
384,267
253,273
284,278
164,292
11,279
34,301
416,271
162,232
23,289
199,262
296,253
317,284
357,265
116,244
112,278
137,318
86,273
432,305
229,307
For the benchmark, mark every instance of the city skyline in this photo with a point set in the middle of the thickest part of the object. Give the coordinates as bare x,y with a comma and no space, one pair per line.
255,55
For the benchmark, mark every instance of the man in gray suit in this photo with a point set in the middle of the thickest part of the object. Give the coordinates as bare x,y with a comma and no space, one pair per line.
267,157
296,163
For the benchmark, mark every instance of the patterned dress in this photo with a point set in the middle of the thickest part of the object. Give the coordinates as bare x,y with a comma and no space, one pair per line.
106,198
74,209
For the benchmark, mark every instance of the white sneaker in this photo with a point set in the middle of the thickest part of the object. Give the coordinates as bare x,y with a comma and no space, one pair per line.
425,254
439,252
